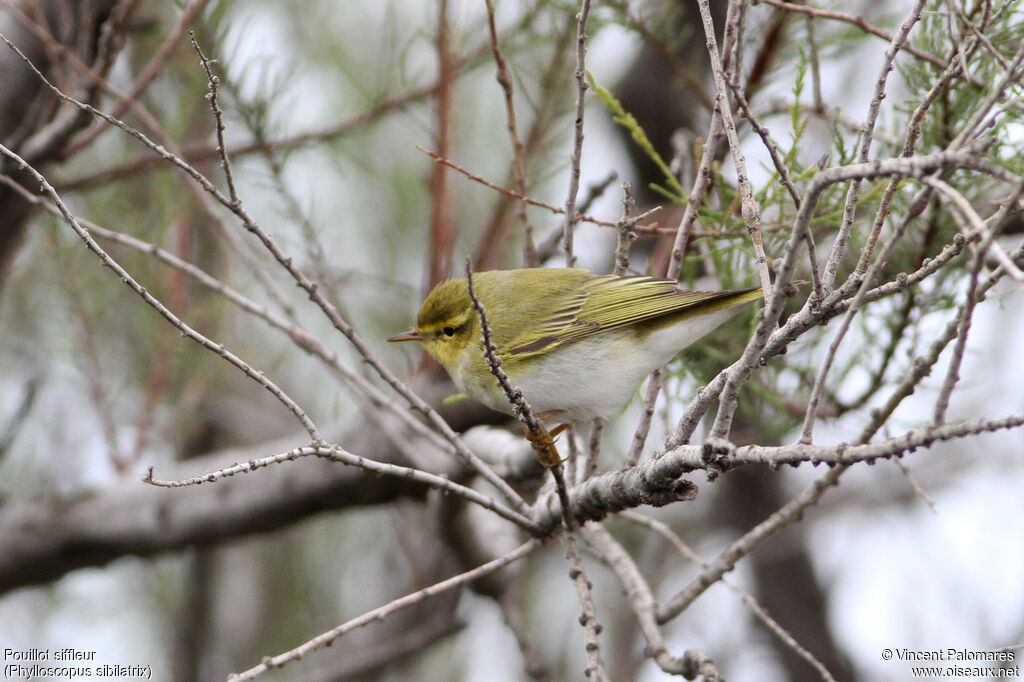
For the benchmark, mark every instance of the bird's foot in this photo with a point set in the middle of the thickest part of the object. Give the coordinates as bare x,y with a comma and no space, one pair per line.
543,443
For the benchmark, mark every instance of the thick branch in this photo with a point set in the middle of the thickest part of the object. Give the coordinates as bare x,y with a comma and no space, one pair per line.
40,543
659,481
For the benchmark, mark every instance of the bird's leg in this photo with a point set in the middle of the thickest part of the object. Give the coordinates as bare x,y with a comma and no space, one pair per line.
543,443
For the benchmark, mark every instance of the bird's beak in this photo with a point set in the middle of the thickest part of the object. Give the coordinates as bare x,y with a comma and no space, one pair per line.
411,335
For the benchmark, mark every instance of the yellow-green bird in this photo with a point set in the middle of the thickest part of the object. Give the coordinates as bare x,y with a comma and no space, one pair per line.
576,343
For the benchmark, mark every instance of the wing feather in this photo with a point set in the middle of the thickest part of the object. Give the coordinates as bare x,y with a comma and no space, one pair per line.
609,301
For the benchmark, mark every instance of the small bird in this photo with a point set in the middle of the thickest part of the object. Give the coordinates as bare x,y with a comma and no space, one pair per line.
576,343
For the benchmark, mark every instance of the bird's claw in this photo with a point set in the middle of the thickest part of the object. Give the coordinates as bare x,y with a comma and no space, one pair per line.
543,443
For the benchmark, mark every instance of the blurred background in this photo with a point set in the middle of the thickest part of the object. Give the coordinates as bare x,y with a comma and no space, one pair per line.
326,106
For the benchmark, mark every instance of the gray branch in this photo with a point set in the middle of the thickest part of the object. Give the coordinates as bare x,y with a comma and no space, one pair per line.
40,542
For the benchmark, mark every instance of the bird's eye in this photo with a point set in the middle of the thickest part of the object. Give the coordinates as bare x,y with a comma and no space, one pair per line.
449,331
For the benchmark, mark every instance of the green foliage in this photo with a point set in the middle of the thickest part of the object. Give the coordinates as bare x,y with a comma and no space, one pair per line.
674,192
952,108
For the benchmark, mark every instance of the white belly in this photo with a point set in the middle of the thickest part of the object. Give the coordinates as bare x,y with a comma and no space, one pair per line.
597,375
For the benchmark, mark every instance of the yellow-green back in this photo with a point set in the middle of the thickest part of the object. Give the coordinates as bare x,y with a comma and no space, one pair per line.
535,310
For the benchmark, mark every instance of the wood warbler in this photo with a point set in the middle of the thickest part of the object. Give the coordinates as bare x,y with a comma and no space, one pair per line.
577,344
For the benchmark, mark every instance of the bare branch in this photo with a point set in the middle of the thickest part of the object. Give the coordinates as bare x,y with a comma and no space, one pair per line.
505,80
300,336
535,202
741,370
576,156
860,23
692,457
218,117
751,212
310,287
335,453
853,194
154,303
325,639
640,597
595,669
146,75
677,542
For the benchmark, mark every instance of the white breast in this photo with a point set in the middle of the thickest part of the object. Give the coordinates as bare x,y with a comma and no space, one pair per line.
596,376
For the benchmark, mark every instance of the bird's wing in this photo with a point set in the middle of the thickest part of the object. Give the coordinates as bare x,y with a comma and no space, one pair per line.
558,313
610,301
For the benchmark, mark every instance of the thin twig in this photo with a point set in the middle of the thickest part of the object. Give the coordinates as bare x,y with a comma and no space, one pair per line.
335,453
593,449
726,561
549,457
640,597
780,166
853,194
626,234
595,669
751,212
315,251
514,394
19,416
512,608
218,117
309,286
595,191
154,303
701,180
687,458
574,467
492,244
643,426
575,158
94,373
860,23
504,78
812,43
769,143
701,186
533,202
966,313
325,639
442,225
540,439
905,470
759,611
896,330
146,76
